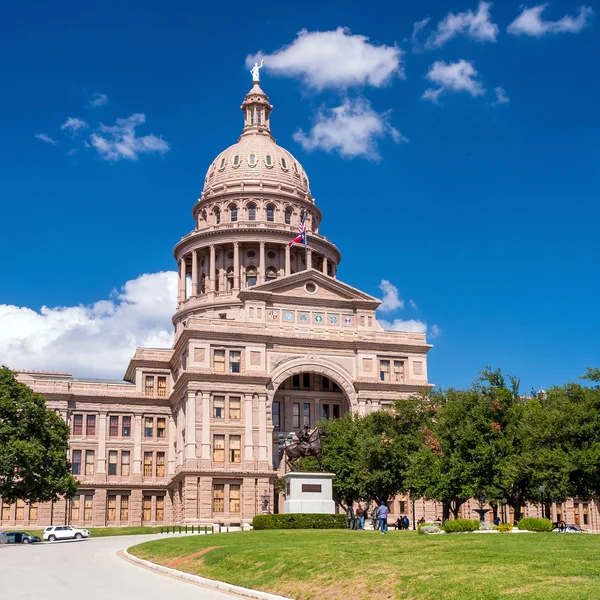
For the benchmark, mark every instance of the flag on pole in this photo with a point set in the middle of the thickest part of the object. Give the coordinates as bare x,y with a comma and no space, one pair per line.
301,237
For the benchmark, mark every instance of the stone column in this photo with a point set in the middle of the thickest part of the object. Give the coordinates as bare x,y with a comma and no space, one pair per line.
325,265
190,429
308,259
137,447
248,436
263,456
261,266
333,270
362,408
172,437
194,273
288,269
236,266
101,446
211,270
181,291
206,458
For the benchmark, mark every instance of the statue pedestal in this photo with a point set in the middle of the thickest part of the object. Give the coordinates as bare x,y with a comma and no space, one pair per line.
309,493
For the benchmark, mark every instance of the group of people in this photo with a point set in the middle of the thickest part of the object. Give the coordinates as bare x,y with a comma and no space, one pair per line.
380,518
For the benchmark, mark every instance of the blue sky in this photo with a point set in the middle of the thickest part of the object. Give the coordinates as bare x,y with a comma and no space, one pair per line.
480,205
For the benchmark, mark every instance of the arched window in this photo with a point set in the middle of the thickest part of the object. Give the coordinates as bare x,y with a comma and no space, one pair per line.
268,160
230,278
233,213
251,276
296,169
222,164
252,159
217,216
271,274
270,213
288,216
236,160
283,163
252,212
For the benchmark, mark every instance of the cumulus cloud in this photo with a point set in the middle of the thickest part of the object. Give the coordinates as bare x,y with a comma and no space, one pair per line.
411,326
435,331
476,25
501,97
334,59
121,140
391,298
417,28
96,340
460,76
351,129
97,100
530,22
45,138
72,125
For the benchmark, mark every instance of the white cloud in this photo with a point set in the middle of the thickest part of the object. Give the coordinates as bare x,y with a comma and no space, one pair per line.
334,59
96,340
97,100
413,304
73,124
121,140
460,76
477,26
391,298
530,22
352,129
45,138
417,28
435,331
412,325
501,97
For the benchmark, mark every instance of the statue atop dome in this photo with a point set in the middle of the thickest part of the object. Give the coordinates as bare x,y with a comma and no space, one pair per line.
254,70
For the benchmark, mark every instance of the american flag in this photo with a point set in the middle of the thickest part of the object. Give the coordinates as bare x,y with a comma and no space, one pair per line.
301,237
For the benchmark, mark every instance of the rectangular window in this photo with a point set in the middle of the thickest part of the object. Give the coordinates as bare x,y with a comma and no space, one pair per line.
162,387
576,513
147,508
148,427
219,448
306,415
149,385
306,381
235,361
234,498
90,425
89,462
6,512
296,415
235,407
160,464
20,514
384,370
112,462
586,513
276,415
160,508
33,511
161,427
398,370
219,407
75,508
125,462
111,508
88,504
325,412
147,464
126,427
218,497
295,382
77,424
325,383
336,411
76,462
113,426
124,512
235,448
219,361
402,505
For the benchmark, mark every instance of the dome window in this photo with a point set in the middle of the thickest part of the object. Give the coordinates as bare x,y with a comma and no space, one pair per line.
236,160
233,213
296,169
251,254
283,163
252,160
288,216
217,216
251,276
270,213
268,160
230,255
251,212
222,165
272,254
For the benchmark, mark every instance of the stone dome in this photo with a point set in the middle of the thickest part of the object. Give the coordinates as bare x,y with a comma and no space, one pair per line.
256,158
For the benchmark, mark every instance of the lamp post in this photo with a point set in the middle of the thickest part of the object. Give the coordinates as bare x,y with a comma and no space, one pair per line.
542,490
504,501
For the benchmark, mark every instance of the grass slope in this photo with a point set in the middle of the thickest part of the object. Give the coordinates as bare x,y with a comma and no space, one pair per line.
349,565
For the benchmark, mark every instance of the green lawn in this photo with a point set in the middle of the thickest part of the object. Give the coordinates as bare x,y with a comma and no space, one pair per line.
352,565
100,531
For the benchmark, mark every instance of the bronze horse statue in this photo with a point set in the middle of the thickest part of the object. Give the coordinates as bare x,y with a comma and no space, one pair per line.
298,449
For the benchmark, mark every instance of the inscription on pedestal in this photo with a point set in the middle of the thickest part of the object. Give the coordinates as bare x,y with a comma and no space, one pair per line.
311,487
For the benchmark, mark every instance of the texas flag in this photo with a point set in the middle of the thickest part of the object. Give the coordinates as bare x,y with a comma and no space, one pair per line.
301,237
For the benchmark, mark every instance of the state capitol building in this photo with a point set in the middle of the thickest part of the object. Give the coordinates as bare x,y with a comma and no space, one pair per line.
267,340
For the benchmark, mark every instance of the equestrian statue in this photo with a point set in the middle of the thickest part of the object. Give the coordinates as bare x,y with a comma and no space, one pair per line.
308,444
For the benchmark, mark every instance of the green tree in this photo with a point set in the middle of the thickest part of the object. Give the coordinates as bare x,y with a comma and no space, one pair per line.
33,446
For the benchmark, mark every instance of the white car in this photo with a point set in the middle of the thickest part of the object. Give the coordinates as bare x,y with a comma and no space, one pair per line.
64,532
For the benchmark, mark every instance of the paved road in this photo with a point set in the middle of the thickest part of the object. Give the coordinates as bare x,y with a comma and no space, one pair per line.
89,569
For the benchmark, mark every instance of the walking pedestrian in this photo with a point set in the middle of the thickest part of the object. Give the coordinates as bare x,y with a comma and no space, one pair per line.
360,513
382,515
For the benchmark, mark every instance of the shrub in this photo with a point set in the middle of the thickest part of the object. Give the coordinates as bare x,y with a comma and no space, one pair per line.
504,528
428,529
534,524
460,525
299,521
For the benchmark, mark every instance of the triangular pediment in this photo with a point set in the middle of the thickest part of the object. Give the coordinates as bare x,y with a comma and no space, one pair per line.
310,286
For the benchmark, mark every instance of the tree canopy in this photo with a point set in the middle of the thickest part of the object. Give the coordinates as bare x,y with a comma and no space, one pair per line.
33,446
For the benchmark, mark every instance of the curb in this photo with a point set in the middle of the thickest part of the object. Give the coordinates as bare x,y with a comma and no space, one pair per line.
211,583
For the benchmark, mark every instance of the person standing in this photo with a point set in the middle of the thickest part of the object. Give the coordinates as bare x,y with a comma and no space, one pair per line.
405,522
360,513
382,515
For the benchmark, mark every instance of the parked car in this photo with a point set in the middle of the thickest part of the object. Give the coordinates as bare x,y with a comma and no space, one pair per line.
21,537
64,532
564,528
3,538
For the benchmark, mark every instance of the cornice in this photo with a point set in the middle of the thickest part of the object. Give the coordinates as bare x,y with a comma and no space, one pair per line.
223,474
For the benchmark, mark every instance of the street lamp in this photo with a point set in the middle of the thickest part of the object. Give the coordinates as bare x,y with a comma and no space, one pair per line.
542,490
504,501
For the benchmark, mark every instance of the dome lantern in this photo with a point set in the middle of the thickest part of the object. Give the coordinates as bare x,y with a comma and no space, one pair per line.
257,111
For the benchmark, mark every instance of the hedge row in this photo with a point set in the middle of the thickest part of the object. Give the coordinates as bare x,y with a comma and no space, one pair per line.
533,524
460,525
299,521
